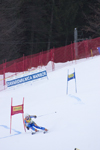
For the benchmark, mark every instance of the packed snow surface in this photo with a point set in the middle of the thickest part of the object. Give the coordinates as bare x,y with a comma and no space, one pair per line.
72,120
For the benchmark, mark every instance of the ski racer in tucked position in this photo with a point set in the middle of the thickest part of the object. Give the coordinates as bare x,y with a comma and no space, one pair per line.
30,124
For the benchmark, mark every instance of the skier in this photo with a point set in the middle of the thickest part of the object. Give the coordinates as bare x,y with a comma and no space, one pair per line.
30,124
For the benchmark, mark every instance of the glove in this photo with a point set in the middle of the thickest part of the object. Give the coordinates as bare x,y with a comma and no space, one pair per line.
35,116
27,128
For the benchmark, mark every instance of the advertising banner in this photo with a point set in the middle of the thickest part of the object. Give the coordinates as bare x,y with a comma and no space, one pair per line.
27,78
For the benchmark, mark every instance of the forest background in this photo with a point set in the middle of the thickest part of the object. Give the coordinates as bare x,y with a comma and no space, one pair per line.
31,26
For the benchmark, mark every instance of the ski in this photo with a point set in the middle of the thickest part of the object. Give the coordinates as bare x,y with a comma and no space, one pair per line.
45,132
33,133
38,131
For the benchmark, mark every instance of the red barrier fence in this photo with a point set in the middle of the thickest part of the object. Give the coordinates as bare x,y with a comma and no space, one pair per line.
62,54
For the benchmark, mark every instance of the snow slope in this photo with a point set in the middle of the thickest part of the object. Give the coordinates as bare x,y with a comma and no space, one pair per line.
73,120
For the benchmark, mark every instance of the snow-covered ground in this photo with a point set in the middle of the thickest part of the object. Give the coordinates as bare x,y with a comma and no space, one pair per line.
73,119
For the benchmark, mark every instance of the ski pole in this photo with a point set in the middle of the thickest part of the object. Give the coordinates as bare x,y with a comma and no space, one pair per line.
47,114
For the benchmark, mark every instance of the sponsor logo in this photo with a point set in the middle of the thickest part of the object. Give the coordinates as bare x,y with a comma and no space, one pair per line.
71,76
26,78
17,108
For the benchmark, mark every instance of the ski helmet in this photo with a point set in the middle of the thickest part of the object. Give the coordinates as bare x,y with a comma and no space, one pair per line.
26,115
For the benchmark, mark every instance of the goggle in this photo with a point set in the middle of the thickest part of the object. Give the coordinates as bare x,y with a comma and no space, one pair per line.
27,117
